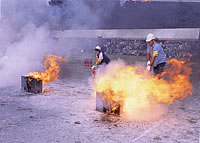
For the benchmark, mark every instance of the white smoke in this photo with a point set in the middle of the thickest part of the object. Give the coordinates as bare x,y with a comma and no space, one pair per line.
25,28
122,1
24,37
24,55
0,9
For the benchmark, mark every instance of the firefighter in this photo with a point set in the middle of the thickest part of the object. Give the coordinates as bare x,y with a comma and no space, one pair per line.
156,57
101,57
149,51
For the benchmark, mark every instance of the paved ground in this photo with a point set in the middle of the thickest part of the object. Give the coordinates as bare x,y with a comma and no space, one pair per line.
66,114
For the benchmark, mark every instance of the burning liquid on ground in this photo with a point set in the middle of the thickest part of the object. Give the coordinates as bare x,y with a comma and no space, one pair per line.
52,68
141,95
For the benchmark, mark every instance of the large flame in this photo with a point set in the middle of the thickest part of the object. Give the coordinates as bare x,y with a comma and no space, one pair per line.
138,90
52,68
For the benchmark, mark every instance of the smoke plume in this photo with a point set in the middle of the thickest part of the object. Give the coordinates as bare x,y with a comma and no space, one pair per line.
25,28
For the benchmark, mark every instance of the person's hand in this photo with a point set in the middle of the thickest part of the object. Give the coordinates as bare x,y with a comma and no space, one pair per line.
93,67
148,63
148,68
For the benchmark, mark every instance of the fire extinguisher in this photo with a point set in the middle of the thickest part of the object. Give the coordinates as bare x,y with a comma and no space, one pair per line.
94,73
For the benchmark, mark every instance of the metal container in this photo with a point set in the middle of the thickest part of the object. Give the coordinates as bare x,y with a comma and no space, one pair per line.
31,85
103,106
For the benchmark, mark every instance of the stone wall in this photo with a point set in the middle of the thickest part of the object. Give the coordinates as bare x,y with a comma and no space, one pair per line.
173,49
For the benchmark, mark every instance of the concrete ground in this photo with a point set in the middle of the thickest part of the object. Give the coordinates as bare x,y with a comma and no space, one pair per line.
65,113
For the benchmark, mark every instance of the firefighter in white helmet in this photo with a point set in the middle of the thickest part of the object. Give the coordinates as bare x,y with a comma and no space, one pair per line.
101,57
156,57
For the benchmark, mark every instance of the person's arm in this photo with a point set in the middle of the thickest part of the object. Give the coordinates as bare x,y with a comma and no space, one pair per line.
98,60
153,60
148,56
155,54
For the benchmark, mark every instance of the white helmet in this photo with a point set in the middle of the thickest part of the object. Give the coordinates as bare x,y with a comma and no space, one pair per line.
98,48
150,37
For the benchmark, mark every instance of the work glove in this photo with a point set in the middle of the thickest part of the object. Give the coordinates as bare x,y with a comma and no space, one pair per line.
148,68
148,63
93,67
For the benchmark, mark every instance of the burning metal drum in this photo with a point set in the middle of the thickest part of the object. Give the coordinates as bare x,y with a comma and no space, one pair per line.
104,106
31,85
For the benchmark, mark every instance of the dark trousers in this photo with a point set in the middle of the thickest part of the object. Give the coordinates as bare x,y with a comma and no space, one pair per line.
159,68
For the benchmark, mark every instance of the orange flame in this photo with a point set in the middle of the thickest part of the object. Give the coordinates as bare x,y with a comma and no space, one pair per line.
137,89
52,68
